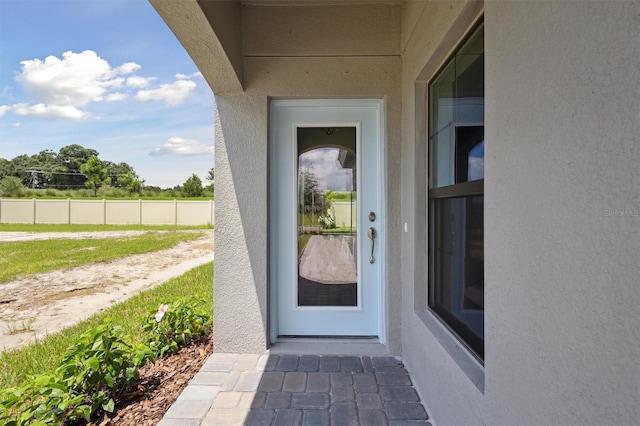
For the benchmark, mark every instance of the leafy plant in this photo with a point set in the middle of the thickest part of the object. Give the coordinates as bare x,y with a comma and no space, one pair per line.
41,400
176,325
327,222
102,364
92,375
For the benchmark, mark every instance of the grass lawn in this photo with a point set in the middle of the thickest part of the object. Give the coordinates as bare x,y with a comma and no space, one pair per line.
45,355
30,257
46,227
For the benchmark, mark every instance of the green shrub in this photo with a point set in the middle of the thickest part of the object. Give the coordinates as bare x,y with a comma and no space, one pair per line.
327,222
11,186
92,376
176,325
103,364
41,400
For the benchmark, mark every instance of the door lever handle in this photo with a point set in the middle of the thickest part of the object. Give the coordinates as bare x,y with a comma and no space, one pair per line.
372,236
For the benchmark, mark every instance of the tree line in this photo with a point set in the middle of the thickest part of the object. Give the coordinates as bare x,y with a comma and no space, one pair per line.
75,167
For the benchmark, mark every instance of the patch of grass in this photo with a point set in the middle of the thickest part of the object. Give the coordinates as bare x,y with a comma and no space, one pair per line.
45,355
24,258
15,327
340,230
303,239
46,227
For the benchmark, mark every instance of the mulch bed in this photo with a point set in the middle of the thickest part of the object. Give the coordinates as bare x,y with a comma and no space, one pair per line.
159,386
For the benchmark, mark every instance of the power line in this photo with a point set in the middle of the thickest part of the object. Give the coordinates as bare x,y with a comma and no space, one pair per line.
73,173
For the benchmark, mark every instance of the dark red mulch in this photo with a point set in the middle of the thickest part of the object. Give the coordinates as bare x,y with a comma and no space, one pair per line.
159,386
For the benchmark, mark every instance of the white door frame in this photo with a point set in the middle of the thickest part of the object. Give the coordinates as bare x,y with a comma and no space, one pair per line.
279,108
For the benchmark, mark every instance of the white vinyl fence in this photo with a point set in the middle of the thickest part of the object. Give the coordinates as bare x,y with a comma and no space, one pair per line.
107,212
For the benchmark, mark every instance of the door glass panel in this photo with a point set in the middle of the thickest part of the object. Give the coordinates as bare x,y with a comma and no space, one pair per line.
327,225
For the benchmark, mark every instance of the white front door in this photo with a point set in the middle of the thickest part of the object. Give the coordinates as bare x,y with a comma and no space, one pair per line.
326,218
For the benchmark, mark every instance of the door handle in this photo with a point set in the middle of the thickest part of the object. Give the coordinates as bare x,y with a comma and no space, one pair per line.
372,236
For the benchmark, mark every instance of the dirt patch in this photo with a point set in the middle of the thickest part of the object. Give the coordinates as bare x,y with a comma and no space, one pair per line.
159,386
48,302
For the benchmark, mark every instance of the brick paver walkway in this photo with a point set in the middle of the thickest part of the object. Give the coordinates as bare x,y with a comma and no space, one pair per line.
249,389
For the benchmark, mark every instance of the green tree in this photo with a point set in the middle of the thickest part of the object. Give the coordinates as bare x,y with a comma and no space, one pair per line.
71,157
22,167
210,178
50,170
130,182
309,193
11,186
96,174
192,187
4,167
117,170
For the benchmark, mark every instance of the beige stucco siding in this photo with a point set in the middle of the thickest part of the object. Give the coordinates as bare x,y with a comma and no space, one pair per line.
241,292
562,155
449,395
563,149
240,275
317,30
562,196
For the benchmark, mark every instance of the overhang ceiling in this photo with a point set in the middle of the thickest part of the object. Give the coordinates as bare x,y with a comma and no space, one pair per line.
211,33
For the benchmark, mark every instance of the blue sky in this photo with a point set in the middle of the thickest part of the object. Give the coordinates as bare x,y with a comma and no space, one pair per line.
107,75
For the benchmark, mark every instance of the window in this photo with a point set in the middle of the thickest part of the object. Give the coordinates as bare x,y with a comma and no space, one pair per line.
456,193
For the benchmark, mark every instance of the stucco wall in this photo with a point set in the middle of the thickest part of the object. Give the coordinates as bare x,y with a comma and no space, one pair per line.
449,395
563,150
326,70
562,216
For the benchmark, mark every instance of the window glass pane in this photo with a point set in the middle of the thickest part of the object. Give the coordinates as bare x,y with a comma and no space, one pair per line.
327,232
458,291
456,221
456,115
475,162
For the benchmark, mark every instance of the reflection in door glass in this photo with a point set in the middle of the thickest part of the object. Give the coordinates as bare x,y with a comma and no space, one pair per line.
327,236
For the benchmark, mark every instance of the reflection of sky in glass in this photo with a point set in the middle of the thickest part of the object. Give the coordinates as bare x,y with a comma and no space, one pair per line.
476,163
324,164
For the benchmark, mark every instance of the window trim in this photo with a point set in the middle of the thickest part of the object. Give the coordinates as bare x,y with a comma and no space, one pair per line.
474,187
463,26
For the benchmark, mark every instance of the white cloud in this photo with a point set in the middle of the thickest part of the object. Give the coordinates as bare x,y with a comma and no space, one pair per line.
139,82
181,76
64,87
116,97
50,111
127,68
60,87
181,146
6,91
172,94
475,169
116,83
323,164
